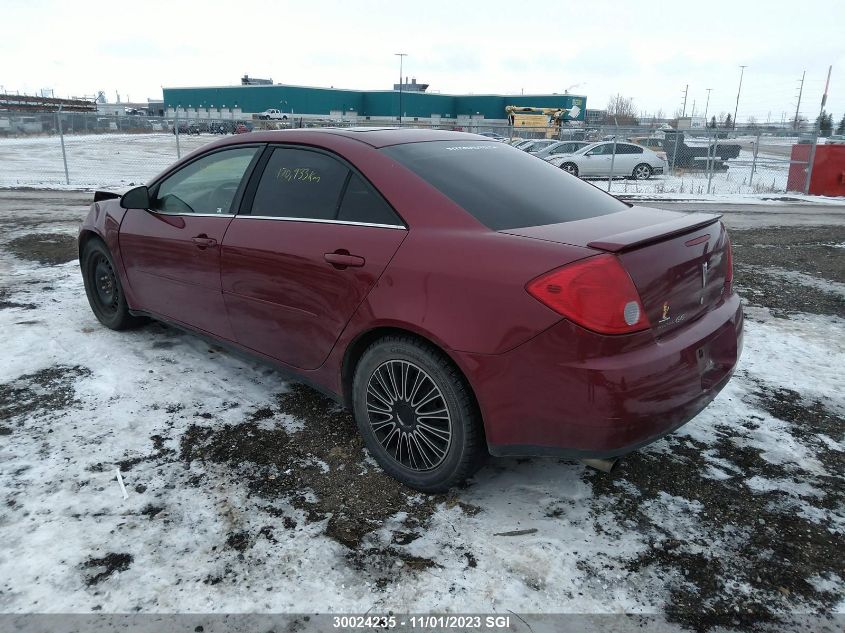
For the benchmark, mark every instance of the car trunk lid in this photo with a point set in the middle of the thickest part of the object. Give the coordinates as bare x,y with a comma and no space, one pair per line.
677,261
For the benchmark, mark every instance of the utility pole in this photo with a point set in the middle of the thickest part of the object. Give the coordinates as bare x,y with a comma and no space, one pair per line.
798,107
818,131
739,90
707,105
686,91
693,109
401,57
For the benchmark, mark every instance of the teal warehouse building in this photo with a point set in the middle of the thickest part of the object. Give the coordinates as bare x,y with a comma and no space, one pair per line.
355,105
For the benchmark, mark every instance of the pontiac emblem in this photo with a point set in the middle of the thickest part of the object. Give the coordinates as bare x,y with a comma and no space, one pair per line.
665,313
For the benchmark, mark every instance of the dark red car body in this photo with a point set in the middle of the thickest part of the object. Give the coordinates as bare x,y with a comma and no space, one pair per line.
543,383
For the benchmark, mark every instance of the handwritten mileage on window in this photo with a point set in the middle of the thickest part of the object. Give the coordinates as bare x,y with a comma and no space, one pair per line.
297,174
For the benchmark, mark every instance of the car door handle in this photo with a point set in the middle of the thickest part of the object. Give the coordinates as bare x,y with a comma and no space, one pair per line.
341,258
203,241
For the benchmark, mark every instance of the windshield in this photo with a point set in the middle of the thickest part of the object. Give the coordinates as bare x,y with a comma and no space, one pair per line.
503,187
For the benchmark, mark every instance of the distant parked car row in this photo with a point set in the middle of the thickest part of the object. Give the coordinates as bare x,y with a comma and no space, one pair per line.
601,159
190,128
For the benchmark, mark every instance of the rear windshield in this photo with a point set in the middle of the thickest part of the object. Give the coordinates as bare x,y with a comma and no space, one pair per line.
503,187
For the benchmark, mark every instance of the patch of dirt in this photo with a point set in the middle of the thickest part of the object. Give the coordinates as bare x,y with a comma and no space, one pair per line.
106,566
5,303
756,538
784,296
384,563
160,455
238,540
812,421
320,470
809,250
45,248
150,511
49,390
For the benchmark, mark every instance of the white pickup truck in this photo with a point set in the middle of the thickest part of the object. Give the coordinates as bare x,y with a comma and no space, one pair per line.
272,113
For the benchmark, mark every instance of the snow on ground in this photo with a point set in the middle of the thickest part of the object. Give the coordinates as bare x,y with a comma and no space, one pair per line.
246,493
742,176
103,160
120,160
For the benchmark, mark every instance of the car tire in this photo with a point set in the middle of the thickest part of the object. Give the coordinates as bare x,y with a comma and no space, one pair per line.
570,168
642,171
440,441
103,287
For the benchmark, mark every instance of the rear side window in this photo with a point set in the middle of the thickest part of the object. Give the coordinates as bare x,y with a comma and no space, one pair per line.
502,187
300,184
361,204
624,148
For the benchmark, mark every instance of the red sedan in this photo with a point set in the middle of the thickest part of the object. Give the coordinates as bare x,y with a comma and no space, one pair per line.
459,295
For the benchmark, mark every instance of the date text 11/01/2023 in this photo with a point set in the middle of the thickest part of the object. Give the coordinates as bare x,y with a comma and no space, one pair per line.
430,622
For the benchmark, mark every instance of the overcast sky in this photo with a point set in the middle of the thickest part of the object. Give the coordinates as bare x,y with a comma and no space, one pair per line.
645,50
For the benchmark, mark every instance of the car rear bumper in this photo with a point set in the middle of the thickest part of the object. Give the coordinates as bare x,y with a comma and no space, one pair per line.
571,392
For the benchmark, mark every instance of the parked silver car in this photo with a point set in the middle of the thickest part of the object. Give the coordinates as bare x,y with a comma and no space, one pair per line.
557,148
535,145
630,161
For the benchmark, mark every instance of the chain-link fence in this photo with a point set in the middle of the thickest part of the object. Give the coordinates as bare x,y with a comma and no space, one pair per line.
92,150
690,162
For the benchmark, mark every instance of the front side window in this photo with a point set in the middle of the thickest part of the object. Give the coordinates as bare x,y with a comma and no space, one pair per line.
207,185
502,187
300,184
601,150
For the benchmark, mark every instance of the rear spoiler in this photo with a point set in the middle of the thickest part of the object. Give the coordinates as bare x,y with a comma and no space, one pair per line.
654,233
99,196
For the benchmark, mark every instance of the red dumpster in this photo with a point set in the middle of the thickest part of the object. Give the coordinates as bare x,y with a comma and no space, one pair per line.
828,177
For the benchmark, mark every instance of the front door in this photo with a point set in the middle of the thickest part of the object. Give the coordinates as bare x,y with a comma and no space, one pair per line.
597,161
172,250
296,266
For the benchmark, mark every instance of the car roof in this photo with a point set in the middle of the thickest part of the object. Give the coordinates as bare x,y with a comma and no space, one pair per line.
373,136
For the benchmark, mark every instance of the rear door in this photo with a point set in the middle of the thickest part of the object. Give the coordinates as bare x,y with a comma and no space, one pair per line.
312,238
627,157
172,251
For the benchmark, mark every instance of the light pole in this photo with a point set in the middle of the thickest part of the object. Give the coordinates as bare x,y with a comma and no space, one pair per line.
739,90
707,105
401,57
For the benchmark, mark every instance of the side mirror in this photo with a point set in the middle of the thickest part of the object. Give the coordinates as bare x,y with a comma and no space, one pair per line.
137,198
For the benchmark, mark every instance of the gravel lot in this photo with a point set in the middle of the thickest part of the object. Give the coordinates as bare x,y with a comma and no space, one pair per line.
249,494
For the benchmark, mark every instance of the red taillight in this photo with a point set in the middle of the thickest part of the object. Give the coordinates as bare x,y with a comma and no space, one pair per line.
596,293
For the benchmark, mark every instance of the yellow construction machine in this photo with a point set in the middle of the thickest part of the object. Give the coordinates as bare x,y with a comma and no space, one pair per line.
549,118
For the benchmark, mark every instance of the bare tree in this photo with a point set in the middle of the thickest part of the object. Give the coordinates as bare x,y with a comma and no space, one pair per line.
622,108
